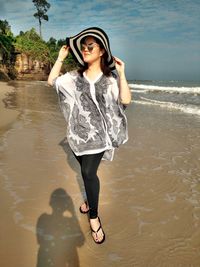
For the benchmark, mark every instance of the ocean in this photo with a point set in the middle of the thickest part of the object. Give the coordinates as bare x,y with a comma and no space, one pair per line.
175,95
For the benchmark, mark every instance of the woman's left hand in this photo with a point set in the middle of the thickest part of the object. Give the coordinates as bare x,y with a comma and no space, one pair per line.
119,64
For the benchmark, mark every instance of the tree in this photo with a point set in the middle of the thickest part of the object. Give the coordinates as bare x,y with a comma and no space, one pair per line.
42,6
32,45
54,46
7,49
52,43
5,28
6,42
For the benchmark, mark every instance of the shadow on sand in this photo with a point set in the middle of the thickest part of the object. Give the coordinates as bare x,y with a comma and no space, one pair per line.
59,234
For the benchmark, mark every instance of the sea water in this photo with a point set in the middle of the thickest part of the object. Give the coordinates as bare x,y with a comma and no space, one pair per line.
174,95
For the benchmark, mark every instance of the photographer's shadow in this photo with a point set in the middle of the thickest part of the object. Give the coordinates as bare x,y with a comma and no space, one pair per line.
59,235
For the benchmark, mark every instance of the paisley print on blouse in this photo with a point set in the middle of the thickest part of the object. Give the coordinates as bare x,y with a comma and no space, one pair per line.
95,118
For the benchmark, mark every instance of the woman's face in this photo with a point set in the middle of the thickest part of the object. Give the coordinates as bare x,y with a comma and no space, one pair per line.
91,51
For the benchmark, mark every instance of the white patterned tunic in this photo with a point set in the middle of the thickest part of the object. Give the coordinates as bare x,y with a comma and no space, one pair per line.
95,117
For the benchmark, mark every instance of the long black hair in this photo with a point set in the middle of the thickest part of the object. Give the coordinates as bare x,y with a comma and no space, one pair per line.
103,64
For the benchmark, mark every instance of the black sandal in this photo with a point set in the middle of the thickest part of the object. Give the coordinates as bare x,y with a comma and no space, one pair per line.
104,236
84,212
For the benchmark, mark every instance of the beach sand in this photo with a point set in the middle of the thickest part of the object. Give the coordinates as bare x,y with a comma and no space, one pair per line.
7,115
149,196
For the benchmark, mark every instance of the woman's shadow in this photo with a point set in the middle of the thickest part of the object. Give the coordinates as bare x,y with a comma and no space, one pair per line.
59,235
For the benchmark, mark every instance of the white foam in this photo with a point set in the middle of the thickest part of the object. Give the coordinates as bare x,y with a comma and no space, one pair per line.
187,109
181,90
139,91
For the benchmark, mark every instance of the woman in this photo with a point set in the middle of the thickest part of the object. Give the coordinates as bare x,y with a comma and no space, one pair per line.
92,100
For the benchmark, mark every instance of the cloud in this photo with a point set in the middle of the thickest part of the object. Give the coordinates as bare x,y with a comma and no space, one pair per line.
19,14
134,18
12,7
138,19
134,26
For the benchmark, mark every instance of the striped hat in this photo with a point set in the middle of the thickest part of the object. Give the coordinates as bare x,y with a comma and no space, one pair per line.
75,44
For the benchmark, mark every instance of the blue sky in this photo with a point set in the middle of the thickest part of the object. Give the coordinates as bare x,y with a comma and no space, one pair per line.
157,39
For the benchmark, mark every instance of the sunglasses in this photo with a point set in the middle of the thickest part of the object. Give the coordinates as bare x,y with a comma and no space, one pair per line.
89,47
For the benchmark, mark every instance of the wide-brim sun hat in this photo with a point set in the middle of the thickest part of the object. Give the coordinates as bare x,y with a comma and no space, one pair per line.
74,43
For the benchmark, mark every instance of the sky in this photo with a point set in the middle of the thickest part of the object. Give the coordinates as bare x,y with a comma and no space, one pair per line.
157,39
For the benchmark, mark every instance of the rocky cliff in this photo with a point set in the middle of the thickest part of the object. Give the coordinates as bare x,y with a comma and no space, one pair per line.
25,68
28,68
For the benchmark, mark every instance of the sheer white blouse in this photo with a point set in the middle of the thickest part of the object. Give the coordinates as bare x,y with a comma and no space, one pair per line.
95,118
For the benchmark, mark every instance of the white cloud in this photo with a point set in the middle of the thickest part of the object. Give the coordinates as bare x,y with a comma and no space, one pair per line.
132,17
132,25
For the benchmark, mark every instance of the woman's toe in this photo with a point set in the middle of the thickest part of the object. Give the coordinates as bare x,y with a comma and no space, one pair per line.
84,207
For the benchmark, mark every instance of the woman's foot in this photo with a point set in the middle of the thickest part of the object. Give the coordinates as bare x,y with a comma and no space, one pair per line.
84,208
97,231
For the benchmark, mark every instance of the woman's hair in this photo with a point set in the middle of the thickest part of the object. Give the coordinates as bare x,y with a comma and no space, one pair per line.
103,64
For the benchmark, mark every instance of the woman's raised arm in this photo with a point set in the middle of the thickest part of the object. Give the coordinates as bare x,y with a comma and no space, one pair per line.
55,71
125,93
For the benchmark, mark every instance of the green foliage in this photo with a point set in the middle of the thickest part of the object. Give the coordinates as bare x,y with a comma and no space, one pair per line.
6,43
41,5
7,49
54,47
31,44
4,27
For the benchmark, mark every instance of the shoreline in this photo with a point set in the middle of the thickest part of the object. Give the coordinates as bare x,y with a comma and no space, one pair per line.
8,116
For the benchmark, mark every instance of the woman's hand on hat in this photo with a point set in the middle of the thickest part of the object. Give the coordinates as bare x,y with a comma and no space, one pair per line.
63,53
119,64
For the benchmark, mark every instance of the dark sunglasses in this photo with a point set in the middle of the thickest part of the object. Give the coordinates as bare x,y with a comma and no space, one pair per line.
89,47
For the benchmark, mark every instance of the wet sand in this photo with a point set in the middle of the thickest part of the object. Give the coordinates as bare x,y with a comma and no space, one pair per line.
149,200
7,115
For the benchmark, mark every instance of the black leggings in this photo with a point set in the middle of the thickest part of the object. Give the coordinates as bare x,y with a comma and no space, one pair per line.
89,165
